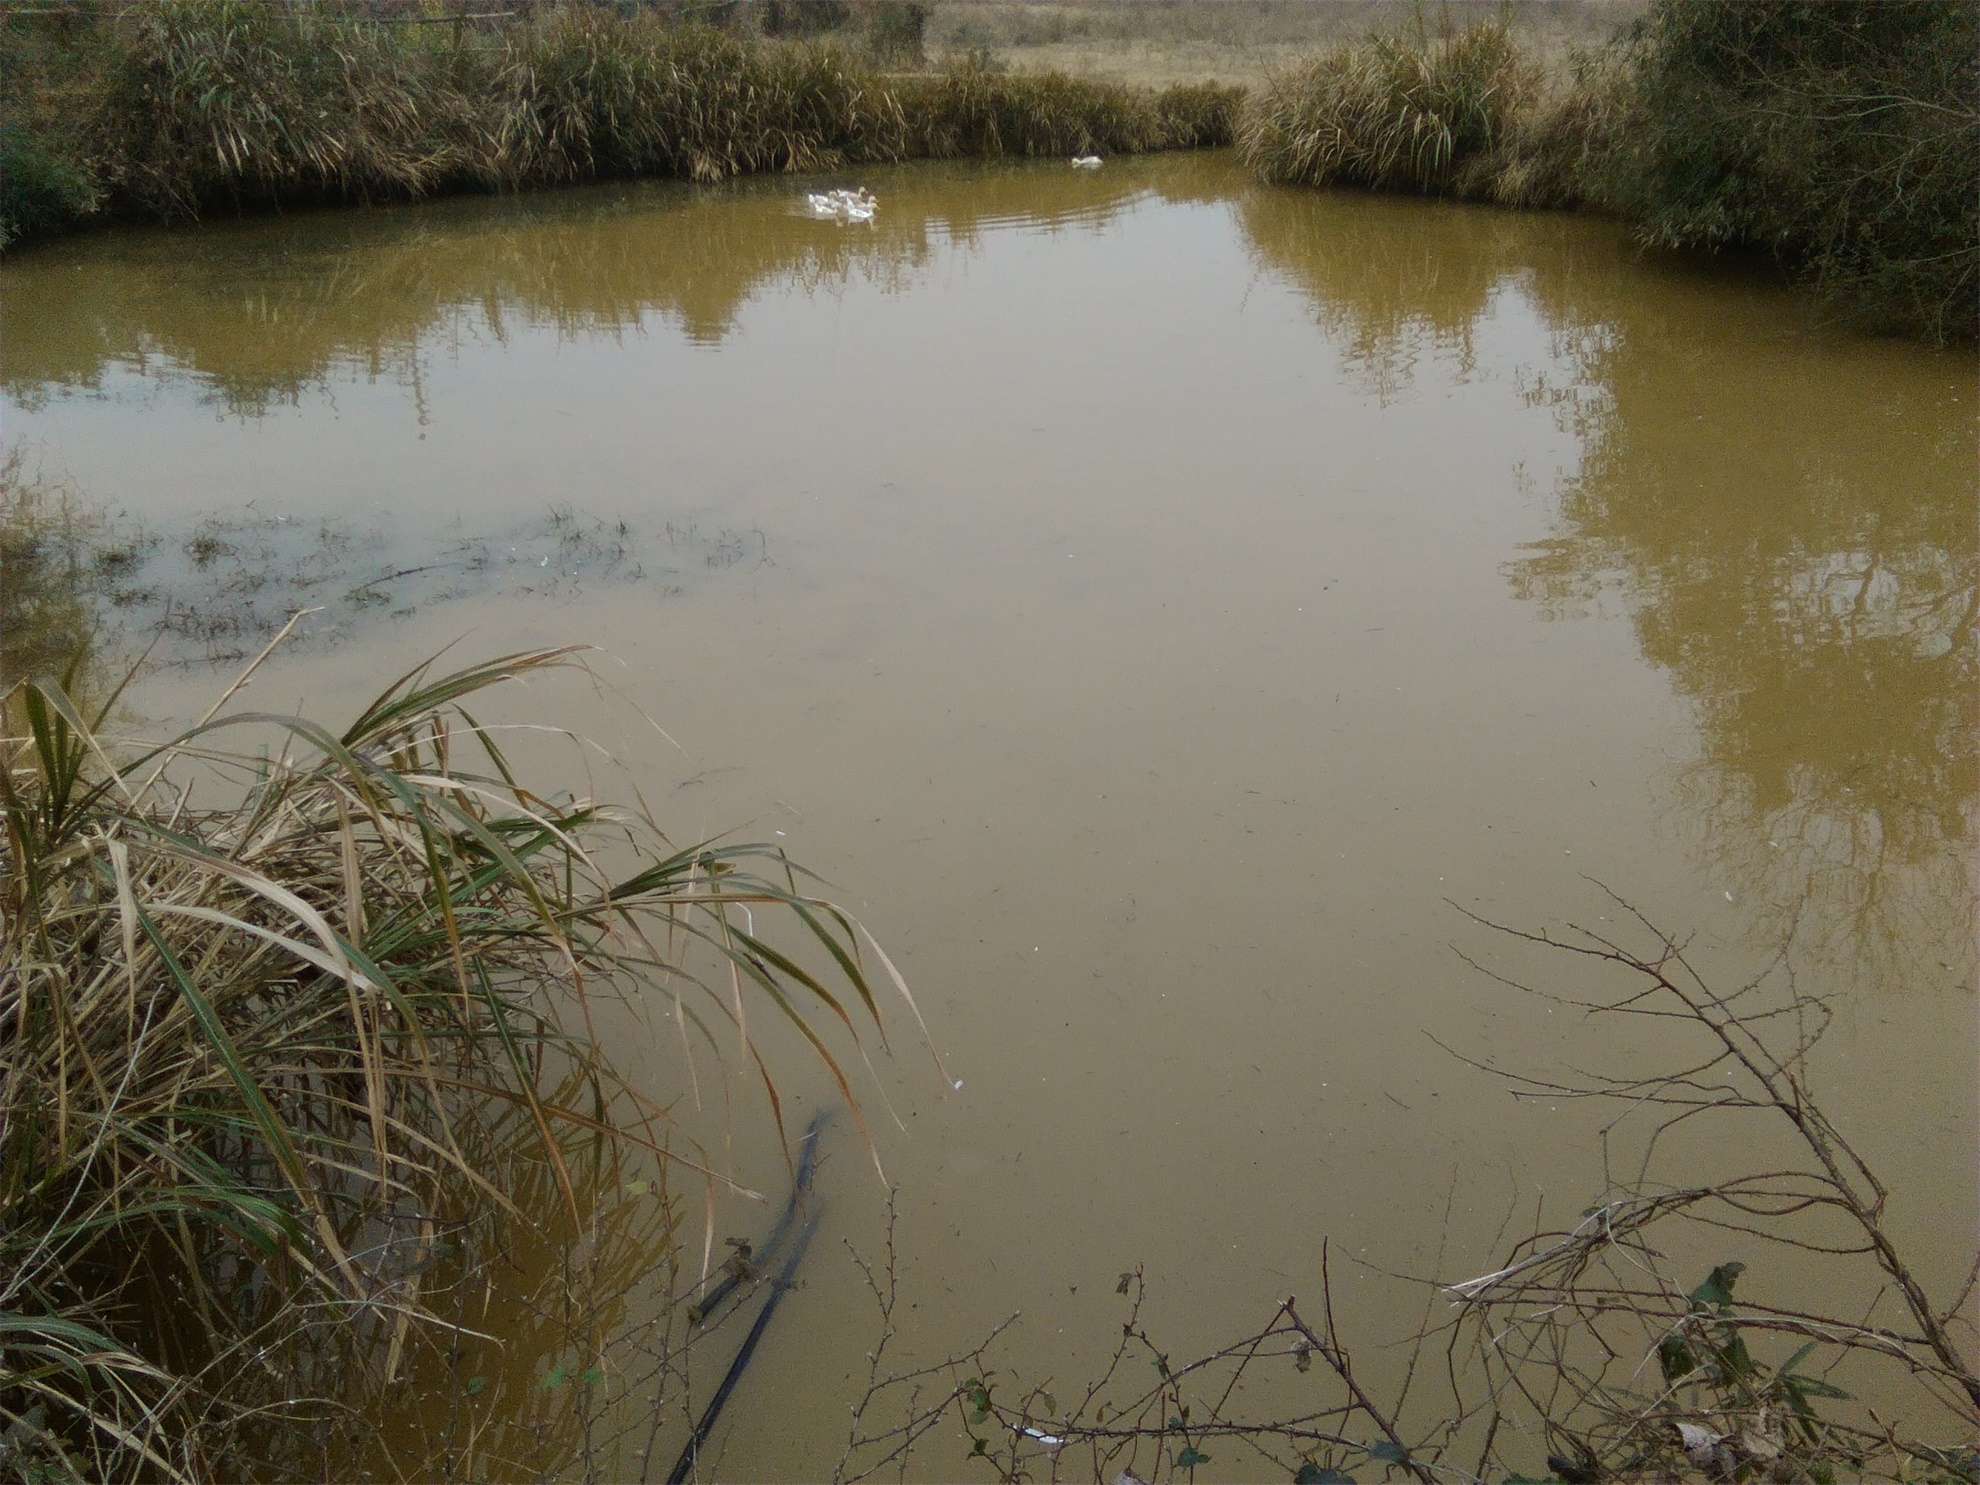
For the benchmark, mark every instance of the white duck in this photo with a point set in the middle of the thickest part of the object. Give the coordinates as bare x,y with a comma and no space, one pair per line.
842,205
1086,162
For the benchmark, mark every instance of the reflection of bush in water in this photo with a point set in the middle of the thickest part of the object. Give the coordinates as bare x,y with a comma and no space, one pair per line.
1821,613
1389,284
264,314
1800,556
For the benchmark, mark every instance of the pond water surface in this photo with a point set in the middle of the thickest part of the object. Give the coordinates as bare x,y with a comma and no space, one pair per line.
1162,606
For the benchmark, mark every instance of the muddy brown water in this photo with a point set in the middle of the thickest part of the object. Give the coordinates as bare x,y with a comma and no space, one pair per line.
1162,607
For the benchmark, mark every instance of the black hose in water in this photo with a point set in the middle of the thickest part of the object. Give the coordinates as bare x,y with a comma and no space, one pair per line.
787,1223
807,1166
684,1466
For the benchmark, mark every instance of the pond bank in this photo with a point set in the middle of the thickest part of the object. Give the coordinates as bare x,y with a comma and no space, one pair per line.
171,110
1842,139
1704,126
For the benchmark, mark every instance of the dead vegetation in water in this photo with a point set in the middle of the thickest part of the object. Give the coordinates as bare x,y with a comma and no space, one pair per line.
213,593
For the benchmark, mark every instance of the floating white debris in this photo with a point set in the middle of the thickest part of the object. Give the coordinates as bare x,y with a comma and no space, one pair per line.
841,205
1086,162
1049,1440
1704,1447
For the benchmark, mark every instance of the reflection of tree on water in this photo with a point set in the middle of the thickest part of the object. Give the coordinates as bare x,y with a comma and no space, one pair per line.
1790,522
1394,285
265,310
1795,540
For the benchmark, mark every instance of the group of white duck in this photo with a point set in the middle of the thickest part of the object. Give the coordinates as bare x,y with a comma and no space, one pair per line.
842,205
858,205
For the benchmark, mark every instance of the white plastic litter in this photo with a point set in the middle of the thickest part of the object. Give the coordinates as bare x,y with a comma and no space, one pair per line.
1087,162
1703,1447
841,205
1049,1440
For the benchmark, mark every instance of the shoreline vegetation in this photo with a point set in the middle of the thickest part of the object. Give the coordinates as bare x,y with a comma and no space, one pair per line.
1843,139
168,109
280,1071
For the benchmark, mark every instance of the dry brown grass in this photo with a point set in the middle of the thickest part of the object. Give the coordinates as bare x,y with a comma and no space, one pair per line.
1159,42
190,105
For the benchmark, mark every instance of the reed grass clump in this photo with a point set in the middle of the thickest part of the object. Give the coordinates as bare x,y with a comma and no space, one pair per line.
1394,112
187,106
212,100
974,109
586,94
290,1018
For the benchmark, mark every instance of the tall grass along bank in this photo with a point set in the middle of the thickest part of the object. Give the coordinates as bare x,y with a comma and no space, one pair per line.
1843,137
293,1022
170,108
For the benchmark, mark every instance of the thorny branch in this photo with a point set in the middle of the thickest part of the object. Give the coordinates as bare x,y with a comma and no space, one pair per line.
1579,1346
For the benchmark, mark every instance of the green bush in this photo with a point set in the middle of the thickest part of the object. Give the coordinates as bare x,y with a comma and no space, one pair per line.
49,86
43,188
1842,135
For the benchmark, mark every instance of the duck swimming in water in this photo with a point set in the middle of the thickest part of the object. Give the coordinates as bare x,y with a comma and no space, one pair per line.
842,205
1086,162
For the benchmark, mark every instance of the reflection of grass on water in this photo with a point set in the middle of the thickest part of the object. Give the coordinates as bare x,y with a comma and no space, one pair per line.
312,297
1393,290
296,1024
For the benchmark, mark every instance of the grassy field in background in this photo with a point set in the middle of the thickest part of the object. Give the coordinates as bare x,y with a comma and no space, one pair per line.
1157,42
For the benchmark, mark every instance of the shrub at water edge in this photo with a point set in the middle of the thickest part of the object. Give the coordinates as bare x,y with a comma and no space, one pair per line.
1843,137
